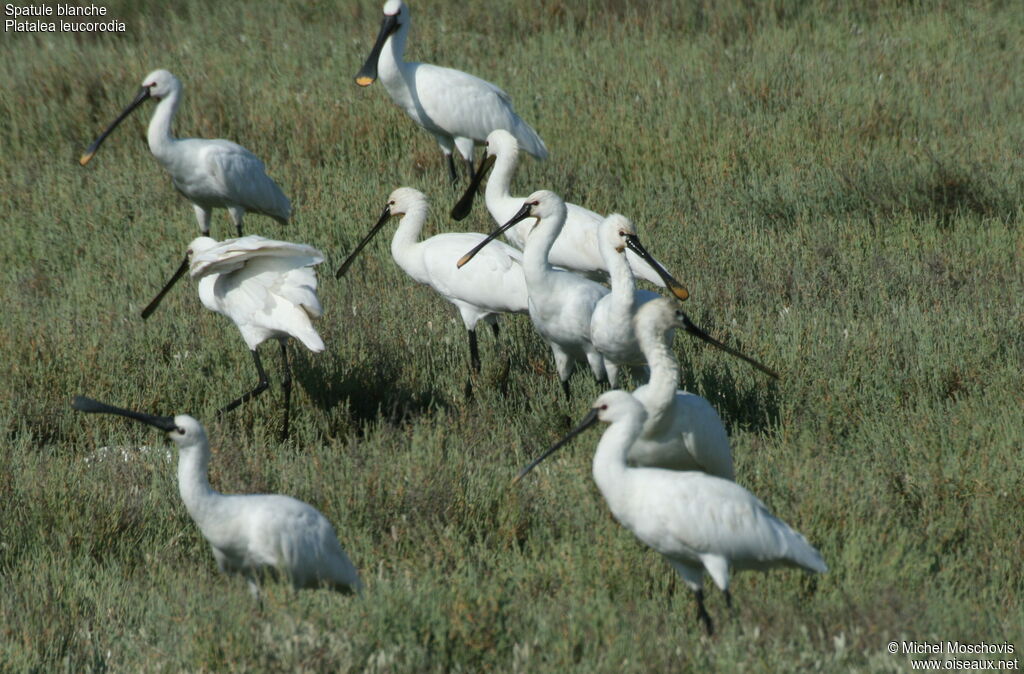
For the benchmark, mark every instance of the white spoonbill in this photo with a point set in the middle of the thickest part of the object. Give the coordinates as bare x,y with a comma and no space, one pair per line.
561,302
255,535
576,248
494,285
611,326
699,522
267,287
682,430
457,108
210,173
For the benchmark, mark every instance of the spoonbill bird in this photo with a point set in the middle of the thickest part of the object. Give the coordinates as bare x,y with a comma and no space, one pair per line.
576,248
457,108
493,286
267,287
611,326
699,522
561,303
682,431
210,173
256,535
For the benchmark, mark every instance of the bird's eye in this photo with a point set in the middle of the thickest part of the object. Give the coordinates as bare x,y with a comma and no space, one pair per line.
621,233
181,431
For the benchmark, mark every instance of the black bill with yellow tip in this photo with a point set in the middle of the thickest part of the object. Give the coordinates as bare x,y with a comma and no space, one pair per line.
384,217
521,215
368,73
140,98
90,406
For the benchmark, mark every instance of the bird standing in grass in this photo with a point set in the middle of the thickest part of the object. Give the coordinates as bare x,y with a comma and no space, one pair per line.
576,248
561,302
210,173
611,326
698,522
494,285
255,535
457,108
267,287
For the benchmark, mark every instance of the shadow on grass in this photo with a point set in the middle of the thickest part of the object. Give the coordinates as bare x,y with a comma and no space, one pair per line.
370,392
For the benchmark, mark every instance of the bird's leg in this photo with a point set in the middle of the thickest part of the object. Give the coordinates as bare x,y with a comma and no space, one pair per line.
565,387
728,599
451,170
469,170
286,388
260,387
236,217
474,352
203,217
702,613
494,329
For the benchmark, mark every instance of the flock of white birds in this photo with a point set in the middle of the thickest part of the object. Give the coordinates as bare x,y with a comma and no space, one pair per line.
663,465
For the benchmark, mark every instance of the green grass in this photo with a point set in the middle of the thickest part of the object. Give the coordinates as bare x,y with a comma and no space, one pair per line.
838,186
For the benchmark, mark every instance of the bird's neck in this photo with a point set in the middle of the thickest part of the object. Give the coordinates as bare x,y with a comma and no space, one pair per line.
499,185
538,245
159,135
623,284
193,484
391,63
610,469
404,244
656,345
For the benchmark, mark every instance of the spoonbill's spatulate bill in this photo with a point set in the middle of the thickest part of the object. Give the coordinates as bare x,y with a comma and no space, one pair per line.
576,247
266,287
493,285
561,303
611,326
255,535
457,108
210,173
698,522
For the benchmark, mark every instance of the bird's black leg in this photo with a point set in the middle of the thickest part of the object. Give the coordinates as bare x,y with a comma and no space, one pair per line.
728,599
286,388
702,613
469,170
565,387
474,352
260,387
494,329
451,171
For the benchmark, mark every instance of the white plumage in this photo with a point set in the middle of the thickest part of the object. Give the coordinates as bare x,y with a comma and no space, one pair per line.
576,248
699,522
266,287
561,302
611,326
494,284
458,109
209,173
681,431
254,535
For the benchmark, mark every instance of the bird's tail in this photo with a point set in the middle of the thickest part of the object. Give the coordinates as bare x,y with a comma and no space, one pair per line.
529,140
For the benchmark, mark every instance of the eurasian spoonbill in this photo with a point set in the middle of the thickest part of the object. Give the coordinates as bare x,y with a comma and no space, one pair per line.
682,430
267,287
575,249
256,535
457,108
561,303
611,326
495,285
698,522
210,173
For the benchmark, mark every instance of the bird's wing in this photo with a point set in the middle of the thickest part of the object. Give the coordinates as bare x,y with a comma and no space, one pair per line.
462,104
232,254
240,177
493,279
